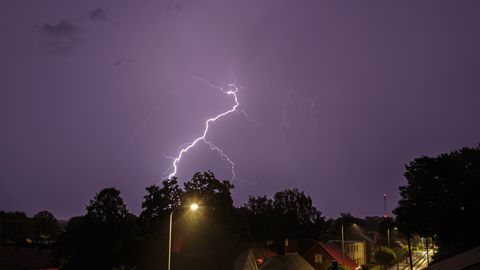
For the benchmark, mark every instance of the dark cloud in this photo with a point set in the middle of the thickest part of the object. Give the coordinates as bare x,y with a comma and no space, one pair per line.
174,6
98,14
63,29
62,37
124,61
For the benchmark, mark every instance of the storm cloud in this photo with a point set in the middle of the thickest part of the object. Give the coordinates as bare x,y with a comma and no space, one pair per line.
347,93
63,36
98,14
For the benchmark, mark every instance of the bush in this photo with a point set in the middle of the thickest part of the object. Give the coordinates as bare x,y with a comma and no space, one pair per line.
384,255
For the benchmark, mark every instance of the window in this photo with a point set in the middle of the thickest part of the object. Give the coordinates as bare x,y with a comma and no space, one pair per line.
318,258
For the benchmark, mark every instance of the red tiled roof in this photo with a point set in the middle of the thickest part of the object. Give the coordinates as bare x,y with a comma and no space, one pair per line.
337,255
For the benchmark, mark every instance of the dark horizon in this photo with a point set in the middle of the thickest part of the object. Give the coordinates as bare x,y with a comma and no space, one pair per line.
340,96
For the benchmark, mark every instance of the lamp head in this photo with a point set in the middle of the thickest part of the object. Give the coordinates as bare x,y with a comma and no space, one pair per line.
194,206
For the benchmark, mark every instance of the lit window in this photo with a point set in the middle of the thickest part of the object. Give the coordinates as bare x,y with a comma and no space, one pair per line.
318,258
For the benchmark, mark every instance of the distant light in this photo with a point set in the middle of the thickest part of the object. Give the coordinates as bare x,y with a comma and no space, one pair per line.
193,206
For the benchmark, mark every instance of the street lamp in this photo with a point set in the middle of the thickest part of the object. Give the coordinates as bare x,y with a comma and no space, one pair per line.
343,247
193,207
388,236
343,241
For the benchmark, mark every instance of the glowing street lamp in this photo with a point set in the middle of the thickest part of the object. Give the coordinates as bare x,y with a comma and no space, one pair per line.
193,207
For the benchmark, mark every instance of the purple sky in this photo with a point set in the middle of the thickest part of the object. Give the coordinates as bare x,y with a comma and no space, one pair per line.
95,93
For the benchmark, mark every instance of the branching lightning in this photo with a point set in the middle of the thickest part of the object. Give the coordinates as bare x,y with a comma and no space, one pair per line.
312,121
146,123
231,90
285,123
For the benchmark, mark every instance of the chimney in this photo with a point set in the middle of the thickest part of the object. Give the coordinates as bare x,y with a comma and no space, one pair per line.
290,246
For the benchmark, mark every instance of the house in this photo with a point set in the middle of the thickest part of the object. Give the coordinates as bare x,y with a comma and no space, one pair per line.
468,260
246,261
369,236
256,258
262,255
321,256
355,250
292,261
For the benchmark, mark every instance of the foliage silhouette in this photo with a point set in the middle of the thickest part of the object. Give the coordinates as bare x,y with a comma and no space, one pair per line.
98,239
13,227
385,256
441,200
158,203
107,207
290,214
46,225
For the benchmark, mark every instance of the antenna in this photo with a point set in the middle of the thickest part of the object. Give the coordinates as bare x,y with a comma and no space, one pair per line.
385,215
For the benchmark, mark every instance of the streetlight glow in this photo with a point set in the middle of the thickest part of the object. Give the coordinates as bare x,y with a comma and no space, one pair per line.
194,206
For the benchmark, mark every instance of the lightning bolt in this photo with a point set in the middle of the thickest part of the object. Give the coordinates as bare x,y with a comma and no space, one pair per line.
285,123
312,121
148,119
230,90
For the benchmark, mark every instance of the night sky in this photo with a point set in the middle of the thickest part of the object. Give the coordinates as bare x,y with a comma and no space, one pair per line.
340,96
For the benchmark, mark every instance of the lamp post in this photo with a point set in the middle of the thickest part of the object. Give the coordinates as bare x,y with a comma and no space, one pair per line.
193,207
343,247
388,237
426,246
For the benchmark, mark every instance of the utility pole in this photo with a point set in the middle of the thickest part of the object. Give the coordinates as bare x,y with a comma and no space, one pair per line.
388,237
343,247
409,251
385,216
426,244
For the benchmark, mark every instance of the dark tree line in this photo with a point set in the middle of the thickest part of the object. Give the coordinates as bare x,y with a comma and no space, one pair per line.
290,214
108,236
107,233
16,228
440,200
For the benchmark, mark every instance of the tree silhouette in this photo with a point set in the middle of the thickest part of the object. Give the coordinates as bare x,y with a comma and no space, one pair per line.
258,216
13,226
295,203
107,207
385,256
298,216
46,225
97,240
158,203
210,234
441,200
207,190
290,214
